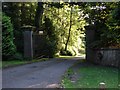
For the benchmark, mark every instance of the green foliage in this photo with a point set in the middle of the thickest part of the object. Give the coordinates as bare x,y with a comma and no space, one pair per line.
21,13
111,36
55,23
51,37
60,18
116,13
8,47
91,76
56,5
105,19
18,56
51,48
66,53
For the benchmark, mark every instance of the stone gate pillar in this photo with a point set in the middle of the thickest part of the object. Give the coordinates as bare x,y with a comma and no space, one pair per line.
28,42
90,38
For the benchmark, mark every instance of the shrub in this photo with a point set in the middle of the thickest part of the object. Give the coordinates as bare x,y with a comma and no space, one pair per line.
51,48
66,53
8,47
18,56
51,38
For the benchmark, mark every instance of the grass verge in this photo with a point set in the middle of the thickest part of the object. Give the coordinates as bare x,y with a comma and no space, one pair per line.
12,63
90,76
68,57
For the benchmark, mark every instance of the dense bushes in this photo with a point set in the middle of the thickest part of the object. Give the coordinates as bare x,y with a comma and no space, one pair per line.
111,37
51,38
8,47
108,30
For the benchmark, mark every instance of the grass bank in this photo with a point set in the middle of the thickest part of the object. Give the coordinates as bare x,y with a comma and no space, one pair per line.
90,76
12,63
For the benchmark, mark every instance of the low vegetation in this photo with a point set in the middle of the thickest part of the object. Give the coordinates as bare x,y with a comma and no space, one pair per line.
90,76
12,63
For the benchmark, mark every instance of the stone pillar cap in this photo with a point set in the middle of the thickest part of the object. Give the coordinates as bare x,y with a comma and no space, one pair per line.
28,28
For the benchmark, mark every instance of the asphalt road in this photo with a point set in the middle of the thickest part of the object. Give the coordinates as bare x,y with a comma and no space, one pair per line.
36,75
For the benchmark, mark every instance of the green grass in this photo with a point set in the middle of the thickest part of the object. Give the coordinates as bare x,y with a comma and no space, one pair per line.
12,63
68,57
91,76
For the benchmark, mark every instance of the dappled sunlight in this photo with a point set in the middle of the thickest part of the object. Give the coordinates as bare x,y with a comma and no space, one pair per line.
42,41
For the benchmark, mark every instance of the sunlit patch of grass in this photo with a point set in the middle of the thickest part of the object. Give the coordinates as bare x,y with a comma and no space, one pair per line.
92,75
67,57
10,63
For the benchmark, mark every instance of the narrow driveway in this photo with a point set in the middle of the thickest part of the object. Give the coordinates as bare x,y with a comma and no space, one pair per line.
36,75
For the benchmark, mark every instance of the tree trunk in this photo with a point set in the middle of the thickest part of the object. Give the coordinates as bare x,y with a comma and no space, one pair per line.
38,16
23,18
69,30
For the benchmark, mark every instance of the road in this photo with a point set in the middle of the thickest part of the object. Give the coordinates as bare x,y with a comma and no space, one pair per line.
36,75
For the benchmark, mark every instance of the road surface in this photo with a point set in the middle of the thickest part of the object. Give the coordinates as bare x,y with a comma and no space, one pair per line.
36,75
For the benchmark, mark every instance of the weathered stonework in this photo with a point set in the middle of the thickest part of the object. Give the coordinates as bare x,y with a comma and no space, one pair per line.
107,56
28,42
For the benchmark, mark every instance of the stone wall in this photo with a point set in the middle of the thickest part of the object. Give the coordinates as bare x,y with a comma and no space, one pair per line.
110,57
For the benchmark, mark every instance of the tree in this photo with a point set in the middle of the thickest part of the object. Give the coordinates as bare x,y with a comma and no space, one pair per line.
8,47
61,22
21,13
99,16
38,16
69,29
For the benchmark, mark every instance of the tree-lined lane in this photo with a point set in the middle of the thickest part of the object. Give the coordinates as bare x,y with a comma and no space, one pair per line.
36,75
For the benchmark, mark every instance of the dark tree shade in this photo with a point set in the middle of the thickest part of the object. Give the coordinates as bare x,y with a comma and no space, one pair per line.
38,16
